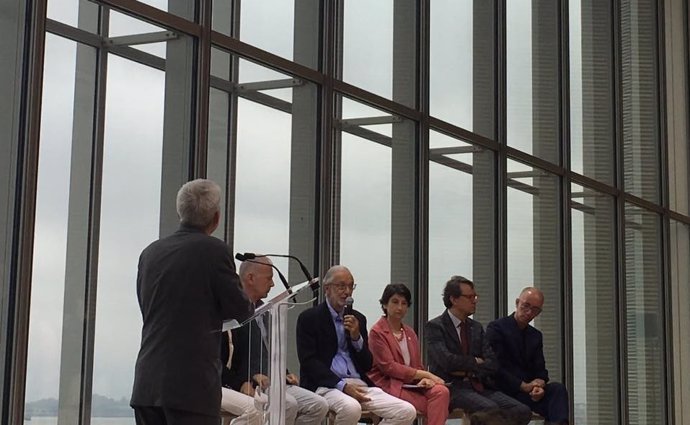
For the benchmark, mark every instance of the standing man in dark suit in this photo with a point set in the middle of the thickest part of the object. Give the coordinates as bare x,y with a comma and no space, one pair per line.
186,286
459,353
334,357
519,349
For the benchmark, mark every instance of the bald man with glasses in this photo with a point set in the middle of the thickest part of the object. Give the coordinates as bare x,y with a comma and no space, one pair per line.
520,353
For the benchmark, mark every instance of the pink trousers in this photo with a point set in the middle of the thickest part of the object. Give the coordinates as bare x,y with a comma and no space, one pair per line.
432,402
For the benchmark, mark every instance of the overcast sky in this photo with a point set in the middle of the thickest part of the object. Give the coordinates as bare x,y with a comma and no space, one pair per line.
132,169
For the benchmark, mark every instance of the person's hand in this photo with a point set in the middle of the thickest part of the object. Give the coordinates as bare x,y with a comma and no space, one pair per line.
479,360
262,380
435,378
351,325
527,387
426,383
356,392
539,383
537,393
292,379
247,388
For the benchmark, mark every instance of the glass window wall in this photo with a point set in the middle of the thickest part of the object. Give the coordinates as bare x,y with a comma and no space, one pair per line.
400,179
130,214
594,293
533,79
50,238
644,317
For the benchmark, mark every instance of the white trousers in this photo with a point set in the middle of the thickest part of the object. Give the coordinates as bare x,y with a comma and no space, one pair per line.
303,407
239,405
391,410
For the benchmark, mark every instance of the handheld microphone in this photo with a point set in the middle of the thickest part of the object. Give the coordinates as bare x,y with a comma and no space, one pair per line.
348,306
348,310
249,258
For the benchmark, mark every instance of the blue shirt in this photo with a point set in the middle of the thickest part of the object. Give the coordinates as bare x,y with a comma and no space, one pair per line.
342,364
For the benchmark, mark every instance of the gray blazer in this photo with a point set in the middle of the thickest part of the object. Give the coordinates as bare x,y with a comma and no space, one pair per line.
186,286
444,353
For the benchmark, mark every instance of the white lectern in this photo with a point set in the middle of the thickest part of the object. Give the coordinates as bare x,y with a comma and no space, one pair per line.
274,312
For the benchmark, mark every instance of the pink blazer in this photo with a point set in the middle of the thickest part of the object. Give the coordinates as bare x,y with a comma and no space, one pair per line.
389,371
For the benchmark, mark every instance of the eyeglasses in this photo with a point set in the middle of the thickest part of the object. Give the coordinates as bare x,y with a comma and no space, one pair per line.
343,286
471,297
529,307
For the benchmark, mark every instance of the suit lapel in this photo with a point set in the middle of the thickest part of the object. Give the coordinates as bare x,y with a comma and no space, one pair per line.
450,329
328,326
392,342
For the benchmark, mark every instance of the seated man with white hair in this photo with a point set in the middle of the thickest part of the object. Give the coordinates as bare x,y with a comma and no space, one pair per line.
334,357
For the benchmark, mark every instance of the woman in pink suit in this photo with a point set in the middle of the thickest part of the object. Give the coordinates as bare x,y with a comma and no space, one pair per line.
397,360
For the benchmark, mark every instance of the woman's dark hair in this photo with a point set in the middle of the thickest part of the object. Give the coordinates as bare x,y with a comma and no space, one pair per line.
395,289
452,289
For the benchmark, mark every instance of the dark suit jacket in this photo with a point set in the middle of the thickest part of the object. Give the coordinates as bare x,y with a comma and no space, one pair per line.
186,286
443,349
317,344
520,353
249,357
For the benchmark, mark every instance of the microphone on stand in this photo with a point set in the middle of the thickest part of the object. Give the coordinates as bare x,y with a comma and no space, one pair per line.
250,259
313,285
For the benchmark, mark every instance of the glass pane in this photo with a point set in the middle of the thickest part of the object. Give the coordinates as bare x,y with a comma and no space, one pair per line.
269,24
379,49
680,306
533,77
290,29
644,317
182,8
65,11
50,237
534,250
375,148
592,120
461,220
131,176
639,93
594,344
461,70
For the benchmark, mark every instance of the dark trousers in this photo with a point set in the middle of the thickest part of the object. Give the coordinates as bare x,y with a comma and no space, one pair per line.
553,407
152,415
463,396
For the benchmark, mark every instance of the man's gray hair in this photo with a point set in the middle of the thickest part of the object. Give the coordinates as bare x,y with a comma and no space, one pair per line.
197,203
328,277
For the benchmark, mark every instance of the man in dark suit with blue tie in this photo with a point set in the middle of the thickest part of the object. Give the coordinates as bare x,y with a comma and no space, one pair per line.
186,287
460,354
519,349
